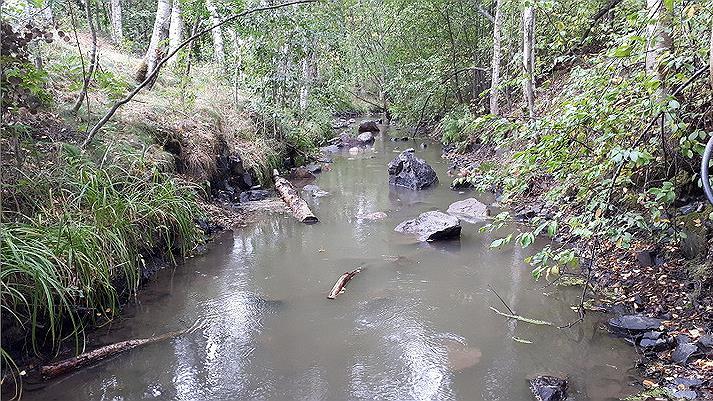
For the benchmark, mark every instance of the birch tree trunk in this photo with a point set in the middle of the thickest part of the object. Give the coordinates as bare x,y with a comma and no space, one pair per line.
117,30
658,39
175,31
528,57
159,34
218,47
495,79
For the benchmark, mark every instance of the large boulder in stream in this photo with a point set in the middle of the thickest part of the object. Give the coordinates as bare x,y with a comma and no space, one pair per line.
548,388
369,126
470,210
408,171
431,226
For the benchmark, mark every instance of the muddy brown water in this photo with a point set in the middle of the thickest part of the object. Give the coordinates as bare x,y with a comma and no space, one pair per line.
415,324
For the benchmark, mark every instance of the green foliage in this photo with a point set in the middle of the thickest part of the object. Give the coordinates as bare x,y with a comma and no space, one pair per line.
83,226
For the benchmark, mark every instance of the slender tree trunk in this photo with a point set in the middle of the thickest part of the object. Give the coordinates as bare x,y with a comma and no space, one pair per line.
238,63
175,31
117,30
454,59
308,73
218,48
528,57
658,40
92,58
710,62
159,34
495,79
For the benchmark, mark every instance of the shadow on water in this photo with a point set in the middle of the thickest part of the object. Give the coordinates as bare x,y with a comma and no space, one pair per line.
413,325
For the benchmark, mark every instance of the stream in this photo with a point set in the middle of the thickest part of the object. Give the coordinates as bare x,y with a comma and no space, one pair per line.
415,324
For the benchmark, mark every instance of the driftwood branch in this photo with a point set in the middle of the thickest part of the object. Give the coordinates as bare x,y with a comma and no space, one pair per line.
292,198
342,283
99,354
150,77
522,318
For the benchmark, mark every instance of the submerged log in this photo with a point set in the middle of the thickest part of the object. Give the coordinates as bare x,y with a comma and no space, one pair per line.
99,354
341,283
289,194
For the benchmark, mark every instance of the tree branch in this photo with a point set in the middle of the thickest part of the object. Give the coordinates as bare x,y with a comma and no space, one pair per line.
154,73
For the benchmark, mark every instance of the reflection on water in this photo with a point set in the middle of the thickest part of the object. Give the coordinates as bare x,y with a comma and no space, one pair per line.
414,325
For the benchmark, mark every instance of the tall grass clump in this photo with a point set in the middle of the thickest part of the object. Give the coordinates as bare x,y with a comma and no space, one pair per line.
78,237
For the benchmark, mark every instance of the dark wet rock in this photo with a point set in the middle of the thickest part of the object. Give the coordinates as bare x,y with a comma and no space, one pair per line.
208,227
655,341
369,126
408,171
431,226
706,342
405,138
690,208
548,388
632,324
694,243
365,138
423,145
529,212
469,209
646,257
254,195
302,173
683,352
687,382
684,394
314,168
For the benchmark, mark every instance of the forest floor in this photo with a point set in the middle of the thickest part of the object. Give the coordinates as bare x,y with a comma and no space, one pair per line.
647,280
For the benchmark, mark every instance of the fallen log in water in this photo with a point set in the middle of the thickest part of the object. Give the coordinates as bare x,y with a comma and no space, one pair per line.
341,283
87,358
292,198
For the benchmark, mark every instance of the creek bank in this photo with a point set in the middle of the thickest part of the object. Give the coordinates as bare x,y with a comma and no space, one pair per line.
649,281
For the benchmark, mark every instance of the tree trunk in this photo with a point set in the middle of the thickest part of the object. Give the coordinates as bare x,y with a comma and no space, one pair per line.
237,63
92,58
175,31
117,30
710,62
495,80
658,39
159,34
218,48
292,198
528,57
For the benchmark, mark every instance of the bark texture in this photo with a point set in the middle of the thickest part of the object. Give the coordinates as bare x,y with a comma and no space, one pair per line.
218,47
658,38
159,34
297,205
342,283
117,30
495,78
175,31
528,57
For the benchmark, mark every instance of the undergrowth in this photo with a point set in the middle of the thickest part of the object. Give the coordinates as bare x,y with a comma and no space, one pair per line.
76,235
